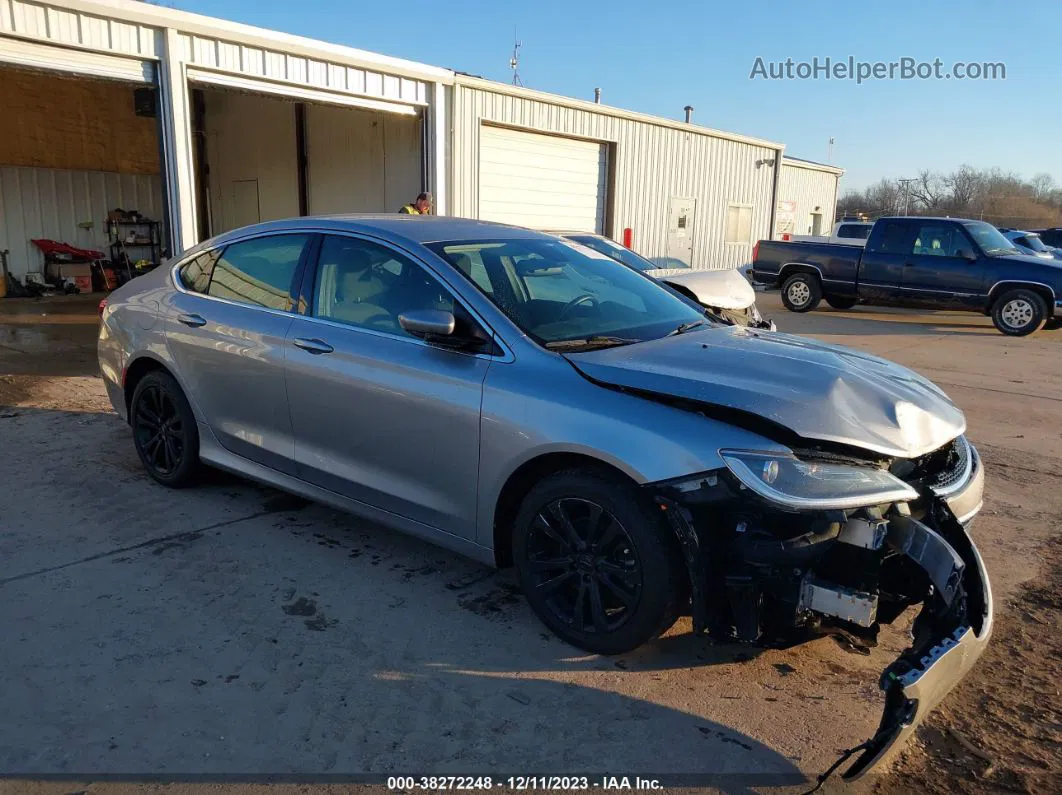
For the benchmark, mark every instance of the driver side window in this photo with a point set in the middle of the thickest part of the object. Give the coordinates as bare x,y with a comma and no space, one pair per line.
368,285
940,240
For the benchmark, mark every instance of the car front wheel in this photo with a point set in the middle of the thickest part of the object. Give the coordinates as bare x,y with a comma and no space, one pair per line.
1019,313
801,292
164,430
596,562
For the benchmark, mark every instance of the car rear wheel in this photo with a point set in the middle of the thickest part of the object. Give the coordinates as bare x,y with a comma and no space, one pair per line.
164,430
1019,313
801,292
596,562
840,303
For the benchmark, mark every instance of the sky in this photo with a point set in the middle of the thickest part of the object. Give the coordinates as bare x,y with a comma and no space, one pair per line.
656,57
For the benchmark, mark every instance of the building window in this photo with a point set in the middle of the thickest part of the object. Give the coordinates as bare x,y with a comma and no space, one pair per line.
739,223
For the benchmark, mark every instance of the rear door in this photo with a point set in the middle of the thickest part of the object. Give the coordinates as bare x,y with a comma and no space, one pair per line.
380,416
883,259
227,325
935,274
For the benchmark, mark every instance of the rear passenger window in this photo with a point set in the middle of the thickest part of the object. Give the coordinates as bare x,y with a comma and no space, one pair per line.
896,238
854,231
259,272
195,274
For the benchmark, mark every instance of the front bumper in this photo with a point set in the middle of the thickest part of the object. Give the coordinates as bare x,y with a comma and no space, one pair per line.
924,674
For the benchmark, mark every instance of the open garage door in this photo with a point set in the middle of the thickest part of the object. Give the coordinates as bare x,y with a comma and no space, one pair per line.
266,151
80,141
542,181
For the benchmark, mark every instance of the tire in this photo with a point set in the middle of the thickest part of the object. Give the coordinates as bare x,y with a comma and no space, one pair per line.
613,595
164,430
801,292
1019,313
841,303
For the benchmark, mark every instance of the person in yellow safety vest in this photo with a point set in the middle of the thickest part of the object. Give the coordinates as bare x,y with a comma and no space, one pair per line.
422,206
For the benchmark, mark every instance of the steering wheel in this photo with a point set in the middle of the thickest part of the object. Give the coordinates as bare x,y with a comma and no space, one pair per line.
579,299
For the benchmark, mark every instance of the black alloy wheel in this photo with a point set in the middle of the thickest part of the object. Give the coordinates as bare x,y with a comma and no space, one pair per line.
597,561
164,430
582,561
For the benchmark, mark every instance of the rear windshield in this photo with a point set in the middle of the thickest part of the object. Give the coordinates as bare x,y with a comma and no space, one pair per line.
614,250
854,231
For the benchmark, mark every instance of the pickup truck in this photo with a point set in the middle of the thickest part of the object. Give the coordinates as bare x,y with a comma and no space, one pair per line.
934,263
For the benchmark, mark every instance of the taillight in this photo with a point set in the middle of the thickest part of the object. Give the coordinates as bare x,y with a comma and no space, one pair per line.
756,251
102,306
628,237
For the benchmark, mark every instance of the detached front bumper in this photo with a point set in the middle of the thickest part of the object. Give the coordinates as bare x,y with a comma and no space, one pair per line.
923,675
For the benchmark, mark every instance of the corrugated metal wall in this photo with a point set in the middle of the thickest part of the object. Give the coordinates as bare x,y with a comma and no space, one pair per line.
228,56
51,203
361,161
653,163
808,189
73,28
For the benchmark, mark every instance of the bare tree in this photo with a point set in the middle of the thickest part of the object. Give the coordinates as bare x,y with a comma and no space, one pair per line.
928,190
963,185
1043,186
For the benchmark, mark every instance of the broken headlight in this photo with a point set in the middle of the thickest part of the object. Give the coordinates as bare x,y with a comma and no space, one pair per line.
791,483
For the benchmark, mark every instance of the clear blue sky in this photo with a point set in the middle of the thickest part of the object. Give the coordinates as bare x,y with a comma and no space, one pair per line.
658,57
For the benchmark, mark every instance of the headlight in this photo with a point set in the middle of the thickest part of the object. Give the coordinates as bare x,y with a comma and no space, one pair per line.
754,314
791,483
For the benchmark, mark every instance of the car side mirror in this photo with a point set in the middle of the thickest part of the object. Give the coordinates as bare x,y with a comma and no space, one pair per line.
426,323
439,327
967,255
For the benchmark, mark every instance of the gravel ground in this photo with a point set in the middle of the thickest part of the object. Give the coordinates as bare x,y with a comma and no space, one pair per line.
230,629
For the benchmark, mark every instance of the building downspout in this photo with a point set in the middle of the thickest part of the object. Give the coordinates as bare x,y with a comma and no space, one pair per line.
778,153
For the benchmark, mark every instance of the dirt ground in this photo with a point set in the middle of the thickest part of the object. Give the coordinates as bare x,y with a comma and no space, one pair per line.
230,630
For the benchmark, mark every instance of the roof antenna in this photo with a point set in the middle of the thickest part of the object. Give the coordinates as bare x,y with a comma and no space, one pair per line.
514,62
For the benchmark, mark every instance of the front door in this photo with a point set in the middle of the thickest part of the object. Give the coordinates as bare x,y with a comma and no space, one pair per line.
935,274
380,416
680,220
227,330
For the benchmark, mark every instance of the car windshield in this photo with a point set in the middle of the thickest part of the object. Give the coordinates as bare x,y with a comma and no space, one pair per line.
990,239
614,250
567,296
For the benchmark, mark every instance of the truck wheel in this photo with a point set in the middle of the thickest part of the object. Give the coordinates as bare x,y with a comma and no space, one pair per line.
598,566
1019,313
801,292
840,303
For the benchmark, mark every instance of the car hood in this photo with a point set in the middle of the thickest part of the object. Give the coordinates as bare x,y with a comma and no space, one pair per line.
820,392
723,289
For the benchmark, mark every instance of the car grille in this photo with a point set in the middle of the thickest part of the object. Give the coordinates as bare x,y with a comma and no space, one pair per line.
945,470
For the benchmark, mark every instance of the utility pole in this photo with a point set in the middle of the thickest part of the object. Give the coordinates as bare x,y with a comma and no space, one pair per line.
906,193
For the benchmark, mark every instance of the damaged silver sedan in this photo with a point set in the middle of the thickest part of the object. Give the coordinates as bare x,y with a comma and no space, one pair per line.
530,402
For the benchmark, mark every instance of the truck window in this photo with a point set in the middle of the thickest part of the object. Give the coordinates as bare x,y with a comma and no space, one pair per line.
854,231
939,240
895,238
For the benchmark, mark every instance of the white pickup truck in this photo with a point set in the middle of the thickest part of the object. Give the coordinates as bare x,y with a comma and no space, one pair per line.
845,233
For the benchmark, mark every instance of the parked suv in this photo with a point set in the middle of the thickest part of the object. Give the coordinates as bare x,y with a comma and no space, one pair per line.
504,394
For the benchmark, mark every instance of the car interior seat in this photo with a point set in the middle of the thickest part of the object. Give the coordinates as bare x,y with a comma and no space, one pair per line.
357,289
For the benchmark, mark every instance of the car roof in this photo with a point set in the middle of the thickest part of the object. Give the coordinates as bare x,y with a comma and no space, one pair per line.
395,227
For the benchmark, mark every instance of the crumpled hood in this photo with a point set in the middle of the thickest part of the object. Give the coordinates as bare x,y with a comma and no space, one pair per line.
723,289
819,391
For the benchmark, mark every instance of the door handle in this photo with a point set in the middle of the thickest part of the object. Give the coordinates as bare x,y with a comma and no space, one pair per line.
314,345
192,320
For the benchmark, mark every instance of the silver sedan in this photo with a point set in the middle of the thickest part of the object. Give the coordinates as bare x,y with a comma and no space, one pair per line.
529,401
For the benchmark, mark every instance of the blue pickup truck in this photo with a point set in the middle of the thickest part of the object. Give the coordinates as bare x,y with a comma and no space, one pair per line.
934,263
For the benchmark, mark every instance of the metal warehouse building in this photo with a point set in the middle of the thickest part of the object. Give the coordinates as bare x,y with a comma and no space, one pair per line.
807,197
204,125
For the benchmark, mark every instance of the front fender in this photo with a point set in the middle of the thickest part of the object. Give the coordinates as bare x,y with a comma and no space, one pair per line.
526,415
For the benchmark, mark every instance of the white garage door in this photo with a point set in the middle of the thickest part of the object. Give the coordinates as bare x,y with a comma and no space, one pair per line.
541,181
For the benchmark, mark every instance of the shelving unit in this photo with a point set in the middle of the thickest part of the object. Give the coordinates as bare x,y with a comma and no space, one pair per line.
146,240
